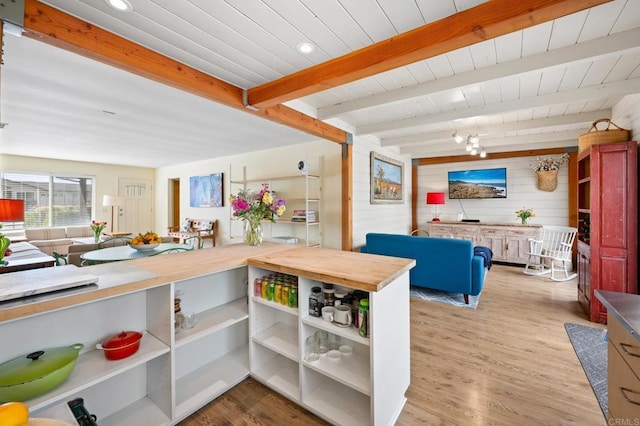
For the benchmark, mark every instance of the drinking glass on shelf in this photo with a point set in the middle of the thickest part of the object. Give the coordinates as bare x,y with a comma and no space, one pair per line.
311,349
323,341
190,320
334,341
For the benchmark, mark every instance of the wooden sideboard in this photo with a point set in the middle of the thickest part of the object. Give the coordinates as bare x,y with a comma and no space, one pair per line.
508,242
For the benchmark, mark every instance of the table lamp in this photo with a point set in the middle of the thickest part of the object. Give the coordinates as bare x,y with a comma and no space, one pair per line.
10,211
435,198
111,201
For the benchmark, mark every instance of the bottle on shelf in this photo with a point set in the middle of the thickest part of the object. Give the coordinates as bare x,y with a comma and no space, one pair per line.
315,302
178,316
293,296
363,317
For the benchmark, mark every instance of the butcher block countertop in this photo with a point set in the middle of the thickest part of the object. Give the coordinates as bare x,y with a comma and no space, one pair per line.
351,269
360,271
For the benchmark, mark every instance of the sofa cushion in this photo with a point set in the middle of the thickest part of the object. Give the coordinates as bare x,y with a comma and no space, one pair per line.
185,226
45,233
202,224
60,245
79,231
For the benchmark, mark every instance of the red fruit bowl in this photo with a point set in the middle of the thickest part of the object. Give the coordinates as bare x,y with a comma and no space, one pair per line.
121,345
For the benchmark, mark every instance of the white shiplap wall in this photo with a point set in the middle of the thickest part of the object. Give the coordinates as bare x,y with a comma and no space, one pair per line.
367,217
550,208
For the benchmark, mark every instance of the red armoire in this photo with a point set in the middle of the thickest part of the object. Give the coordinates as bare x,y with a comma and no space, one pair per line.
607,223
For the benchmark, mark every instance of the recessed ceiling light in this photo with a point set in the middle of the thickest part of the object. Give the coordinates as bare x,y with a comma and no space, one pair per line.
306,48
121,5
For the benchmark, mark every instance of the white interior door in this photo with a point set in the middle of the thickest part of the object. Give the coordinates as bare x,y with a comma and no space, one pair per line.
136,213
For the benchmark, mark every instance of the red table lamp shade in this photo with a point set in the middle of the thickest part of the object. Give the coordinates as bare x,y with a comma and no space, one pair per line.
11,210
435,197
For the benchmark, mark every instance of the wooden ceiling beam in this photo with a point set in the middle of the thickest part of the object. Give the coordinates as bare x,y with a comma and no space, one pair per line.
491,156
59,29
483,22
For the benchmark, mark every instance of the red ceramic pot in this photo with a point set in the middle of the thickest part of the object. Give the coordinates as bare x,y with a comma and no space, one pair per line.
121,345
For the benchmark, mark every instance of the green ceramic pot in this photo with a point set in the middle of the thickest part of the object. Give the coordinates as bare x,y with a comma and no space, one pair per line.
4,245
36,373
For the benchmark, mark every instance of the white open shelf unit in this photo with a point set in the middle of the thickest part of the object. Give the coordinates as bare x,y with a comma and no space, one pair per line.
341,391
301,192
174,374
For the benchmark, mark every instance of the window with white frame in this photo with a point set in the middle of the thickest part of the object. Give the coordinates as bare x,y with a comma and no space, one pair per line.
50,200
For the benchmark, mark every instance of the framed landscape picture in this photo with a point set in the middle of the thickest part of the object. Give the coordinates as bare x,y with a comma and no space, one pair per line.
206,191
387,180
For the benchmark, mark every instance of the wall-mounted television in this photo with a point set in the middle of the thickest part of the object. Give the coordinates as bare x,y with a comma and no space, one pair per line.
483,183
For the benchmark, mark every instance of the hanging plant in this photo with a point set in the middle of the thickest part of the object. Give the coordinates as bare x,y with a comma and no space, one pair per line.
547,171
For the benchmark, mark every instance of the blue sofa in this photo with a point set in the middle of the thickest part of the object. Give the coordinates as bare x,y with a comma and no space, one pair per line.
445,264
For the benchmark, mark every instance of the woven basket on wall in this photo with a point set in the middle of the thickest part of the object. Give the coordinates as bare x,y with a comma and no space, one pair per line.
547,180
599,137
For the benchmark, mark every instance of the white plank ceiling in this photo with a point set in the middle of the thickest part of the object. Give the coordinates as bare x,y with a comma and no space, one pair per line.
539,87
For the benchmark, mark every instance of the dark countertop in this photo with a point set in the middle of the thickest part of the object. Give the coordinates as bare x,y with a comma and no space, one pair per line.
625,307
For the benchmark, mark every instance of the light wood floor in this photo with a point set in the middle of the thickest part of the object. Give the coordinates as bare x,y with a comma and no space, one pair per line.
509,362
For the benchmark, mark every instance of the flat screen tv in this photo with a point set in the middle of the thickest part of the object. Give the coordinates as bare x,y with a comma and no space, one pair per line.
483,183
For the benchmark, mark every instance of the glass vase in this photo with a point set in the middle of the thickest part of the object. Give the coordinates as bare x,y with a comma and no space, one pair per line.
96,236
524,220
252,231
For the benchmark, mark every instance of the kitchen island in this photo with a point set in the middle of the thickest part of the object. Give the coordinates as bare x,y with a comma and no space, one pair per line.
177,371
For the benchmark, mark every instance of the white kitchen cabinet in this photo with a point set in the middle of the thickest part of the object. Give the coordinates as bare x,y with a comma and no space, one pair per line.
360,388
236,335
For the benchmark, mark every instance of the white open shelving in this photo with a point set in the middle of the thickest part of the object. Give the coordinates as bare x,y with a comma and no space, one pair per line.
337,403
341,391
174,374
280,338
142,412
350,333
281,374
301,192
213,320
353,370
211,380
92,368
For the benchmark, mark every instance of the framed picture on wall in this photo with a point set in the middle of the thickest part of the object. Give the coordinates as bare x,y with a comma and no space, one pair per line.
206,191
387,180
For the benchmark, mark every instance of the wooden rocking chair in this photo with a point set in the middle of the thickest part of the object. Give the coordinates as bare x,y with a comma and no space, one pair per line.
552,252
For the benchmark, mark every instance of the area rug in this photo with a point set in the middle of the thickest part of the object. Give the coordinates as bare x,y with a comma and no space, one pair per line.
590,345
455,299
